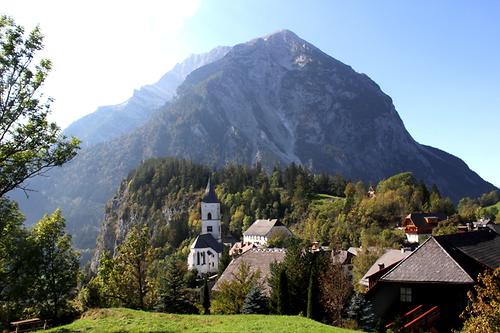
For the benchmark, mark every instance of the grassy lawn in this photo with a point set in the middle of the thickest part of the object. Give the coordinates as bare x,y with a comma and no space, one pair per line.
126,320
324,199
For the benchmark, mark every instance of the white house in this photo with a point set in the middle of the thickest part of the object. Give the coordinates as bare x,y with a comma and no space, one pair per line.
205,252
261,230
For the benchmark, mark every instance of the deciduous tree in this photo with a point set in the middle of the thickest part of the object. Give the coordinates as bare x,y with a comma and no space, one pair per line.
229,298
29,143
483,313
57,264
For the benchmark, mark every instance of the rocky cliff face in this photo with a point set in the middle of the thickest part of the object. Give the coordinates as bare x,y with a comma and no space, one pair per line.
275,100
112,121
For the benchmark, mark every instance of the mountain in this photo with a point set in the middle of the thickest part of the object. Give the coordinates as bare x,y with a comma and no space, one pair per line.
109,122
273,100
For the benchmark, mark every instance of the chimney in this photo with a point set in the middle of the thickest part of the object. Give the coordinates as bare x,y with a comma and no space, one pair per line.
381,266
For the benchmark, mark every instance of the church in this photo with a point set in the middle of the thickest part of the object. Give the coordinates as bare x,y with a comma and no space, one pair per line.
205,252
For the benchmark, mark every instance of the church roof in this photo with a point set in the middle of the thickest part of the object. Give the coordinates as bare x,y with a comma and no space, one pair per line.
210,196
205,241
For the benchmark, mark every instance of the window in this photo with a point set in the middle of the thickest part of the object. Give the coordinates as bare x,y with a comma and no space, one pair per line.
203,262
198,257
405,294
209,228
209,216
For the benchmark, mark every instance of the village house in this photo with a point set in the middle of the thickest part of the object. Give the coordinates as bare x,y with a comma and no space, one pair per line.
387,261
344,258
261,231
256,259
418,226
240,248
428,289
205,252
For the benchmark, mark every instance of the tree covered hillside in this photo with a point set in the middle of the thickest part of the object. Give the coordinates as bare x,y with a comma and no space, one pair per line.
164,194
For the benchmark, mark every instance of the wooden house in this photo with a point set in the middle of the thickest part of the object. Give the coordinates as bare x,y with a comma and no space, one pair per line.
418,226
428,289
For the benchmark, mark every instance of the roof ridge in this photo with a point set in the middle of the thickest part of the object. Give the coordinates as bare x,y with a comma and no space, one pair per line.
454,261
399,263
440,246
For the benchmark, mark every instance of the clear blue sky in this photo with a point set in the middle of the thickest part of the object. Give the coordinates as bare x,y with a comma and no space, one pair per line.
438,60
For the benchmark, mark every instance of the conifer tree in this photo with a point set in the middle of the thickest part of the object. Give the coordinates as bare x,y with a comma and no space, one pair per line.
283,295
173,292
255,302
310,296
205,297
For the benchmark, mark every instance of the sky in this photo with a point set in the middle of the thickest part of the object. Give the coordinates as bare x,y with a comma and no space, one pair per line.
438,60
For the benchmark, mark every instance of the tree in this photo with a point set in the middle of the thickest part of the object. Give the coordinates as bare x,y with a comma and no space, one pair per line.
489,198
230,296
205,297
225,259
468,209
130,280
283,307
447,227
29,143
361,310
483,312
362,263
310,292
255,302
57,263
173,294
335,289
17,265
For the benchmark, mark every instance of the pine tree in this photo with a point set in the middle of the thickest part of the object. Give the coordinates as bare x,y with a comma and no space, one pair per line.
283,296
362,311
310,296
255,302
205,297
173,293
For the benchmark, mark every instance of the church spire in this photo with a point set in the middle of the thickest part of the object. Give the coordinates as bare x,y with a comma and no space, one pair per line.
210,196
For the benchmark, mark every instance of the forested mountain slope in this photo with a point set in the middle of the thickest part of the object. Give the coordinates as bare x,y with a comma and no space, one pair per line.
272,100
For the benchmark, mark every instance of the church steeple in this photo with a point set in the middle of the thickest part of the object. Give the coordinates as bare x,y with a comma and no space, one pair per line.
210,196
210,213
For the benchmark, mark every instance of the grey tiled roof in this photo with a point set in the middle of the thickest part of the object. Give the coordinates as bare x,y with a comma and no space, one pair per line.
257,259
429,263
205,241
456,258
263,227
483,246
390,257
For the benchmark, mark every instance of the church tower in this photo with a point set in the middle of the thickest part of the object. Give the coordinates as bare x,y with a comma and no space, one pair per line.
210,213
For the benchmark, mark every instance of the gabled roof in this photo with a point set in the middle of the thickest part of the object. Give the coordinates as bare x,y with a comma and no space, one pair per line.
390,257
205,241
418,219
483,246
428,263
456,258
257,259
210,196
263,227
342,257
